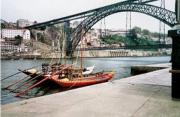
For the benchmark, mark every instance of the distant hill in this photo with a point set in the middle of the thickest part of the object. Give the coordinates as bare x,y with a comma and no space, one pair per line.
135,36
116,39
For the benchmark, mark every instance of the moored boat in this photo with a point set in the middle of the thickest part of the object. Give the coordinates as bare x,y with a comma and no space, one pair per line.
66,75
35,73
83,81
31,72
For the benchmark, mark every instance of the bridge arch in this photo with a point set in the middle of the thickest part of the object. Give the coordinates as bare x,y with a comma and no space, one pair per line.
164,15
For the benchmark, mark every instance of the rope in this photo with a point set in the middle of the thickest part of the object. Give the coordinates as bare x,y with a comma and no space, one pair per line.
15,83
27,82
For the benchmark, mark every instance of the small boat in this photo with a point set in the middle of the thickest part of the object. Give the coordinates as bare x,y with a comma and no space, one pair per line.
88,70
31,72
83,81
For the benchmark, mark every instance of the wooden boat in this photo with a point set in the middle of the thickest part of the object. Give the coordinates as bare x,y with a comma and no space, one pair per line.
31,72
68,75
83,81
34,72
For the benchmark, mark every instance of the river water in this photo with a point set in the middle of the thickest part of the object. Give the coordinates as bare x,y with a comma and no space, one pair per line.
121,65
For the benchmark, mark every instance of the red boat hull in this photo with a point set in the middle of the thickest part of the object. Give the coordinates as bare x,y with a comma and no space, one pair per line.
85,81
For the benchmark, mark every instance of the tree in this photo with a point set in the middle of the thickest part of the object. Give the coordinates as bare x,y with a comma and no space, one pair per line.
137,30
18,40
145,32
3,25
41,37
132,34
155,34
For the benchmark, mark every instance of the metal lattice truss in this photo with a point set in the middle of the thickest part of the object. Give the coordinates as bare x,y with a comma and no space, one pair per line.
84,14
164,15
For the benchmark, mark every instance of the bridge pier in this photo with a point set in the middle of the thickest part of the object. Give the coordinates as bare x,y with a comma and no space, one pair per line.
174,33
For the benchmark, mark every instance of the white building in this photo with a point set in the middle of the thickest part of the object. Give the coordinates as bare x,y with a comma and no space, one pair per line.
7,47
120,32
12,33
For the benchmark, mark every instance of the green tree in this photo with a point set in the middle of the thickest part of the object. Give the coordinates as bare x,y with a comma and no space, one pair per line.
41,37
116,39
18,40
3,25
133,34
137,29
145,32
155,34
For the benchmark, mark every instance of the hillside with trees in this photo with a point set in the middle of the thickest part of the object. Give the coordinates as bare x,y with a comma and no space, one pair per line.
135,36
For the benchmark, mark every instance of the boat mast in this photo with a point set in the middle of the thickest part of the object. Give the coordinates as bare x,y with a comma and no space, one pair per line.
81,50
61,39
64,37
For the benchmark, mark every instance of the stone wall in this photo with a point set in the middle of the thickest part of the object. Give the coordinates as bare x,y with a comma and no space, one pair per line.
117,53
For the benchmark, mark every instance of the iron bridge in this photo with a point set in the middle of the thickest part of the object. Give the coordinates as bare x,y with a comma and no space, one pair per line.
93,16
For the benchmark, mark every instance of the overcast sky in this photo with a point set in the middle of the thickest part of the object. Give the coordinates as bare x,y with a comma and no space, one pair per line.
44,10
